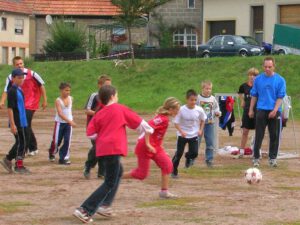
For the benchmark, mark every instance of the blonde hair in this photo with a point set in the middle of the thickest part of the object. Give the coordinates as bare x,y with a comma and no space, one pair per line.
253,71
205,82
102,78
169,103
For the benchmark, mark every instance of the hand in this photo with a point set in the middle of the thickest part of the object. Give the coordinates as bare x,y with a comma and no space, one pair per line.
1,105
217,114
251,114
151,148
44,105
13,129
200,132
72,123
243,104
272,114
183,134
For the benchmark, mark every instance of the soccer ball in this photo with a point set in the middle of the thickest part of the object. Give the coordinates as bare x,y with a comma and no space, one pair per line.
253,176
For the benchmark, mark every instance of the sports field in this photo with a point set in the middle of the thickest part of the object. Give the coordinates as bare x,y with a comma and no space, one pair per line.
207,196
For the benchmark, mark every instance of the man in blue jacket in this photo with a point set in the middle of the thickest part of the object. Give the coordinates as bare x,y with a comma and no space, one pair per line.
268,90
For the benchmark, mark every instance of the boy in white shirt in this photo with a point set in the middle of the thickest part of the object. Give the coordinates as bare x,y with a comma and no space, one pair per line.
211,107
189,123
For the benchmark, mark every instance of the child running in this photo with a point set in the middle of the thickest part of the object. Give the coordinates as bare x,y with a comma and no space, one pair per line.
18,124
189,124
63,126
211,107
108,126
150,147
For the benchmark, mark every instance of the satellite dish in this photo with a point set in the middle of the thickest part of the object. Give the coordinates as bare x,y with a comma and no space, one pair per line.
49,19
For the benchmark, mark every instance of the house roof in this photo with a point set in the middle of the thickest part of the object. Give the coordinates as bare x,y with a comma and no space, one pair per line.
14,6
57,7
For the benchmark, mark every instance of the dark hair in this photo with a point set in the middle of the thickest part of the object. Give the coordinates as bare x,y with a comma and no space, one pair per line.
190,92
106,92
16,58
103,78
64,85
270,58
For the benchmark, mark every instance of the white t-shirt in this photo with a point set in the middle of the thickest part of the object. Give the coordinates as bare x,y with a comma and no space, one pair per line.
66,110
189,120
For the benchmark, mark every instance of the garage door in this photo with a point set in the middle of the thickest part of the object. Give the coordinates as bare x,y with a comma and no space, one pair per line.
290,14
222,27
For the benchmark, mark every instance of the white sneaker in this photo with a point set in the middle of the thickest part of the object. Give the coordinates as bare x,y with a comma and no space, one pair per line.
167,194
33,153
81,214
105,211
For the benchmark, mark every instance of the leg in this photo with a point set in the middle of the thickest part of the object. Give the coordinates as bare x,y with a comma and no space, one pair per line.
91,159
274,127
244,138
101,169
209,135
32,143
261,123
164,162
113,171
192,153
181,141
64,151
56,140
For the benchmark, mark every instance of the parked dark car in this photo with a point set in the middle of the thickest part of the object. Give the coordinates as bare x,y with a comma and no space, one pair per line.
230,45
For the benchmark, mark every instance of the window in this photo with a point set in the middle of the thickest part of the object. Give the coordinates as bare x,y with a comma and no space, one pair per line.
19,26
22,52
119,30
217,41
13,51
191,4
3,23
185,38
70,23
228,40
4,55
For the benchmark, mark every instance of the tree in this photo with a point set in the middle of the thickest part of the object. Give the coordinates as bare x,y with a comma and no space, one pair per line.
65,38
131,12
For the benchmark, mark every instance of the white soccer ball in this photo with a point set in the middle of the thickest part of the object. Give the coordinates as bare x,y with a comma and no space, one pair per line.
253,176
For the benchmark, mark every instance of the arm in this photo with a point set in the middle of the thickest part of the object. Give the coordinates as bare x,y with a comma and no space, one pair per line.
90,112
252,104
45,102
202,124
241,96
177,126
3,99
61,115
273,113
216,108
13,127
149,146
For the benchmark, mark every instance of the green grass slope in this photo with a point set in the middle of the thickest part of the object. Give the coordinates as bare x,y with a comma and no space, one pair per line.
145,86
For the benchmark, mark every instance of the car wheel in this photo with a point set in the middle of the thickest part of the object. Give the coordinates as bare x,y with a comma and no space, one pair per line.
243,53
206,55
281,52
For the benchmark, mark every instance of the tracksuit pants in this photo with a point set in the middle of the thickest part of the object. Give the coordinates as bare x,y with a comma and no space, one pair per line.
17,151
32,143
92,160
62,131
274,127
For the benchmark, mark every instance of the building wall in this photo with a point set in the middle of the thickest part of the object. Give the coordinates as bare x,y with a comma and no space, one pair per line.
176,12
42,31
240,11
11,41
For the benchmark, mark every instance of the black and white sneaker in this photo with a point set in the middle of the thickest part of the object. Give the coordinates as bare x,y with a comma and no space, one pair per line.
82,215
64,162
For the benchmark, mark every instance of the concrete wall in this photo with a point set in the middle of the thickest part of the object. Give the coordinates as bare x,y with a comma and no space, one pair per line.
176,12
240,11
10,40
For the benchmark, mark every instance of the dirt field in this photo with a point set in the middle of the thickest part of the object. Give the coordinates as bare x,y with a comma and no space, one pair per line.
207,196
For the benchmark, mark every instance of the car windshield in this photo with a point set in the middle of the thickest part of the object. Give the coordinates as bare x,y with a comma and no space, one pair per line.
240,40
250,40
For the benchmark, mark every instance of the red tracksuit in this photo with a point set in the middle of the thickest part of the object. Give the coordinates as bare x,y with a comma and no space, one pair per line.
160,124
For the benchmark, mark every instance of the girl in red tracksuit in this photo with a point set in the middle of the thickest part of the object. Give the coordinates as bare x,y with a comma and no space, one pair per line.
149,147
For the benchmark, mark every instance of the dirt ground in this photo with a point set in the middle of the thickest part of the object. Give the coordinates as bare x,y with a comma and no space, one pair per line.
206,196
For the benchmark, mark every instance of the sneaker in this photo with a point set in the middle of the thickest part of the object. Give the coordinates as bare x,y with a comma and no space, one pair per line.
174,176
189,163
273,162
51,158
86,172
33,153
22,170
105,211
209,163
7,164
256,162
64,162
81,214
167,194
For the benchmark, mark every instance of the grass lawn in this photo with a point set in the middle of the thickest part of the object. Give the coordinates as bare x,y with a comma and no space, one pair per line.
146,85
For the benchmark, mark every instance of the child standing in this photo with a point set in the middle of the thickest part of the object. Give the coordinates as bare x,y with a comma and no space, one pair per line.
150,147
211,107
63,126
18,124
92,106
108,126
189,124
245,97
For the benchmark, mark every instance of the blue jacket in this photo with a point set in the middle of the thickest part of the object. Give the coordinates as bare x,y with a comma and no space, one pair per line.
268,89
